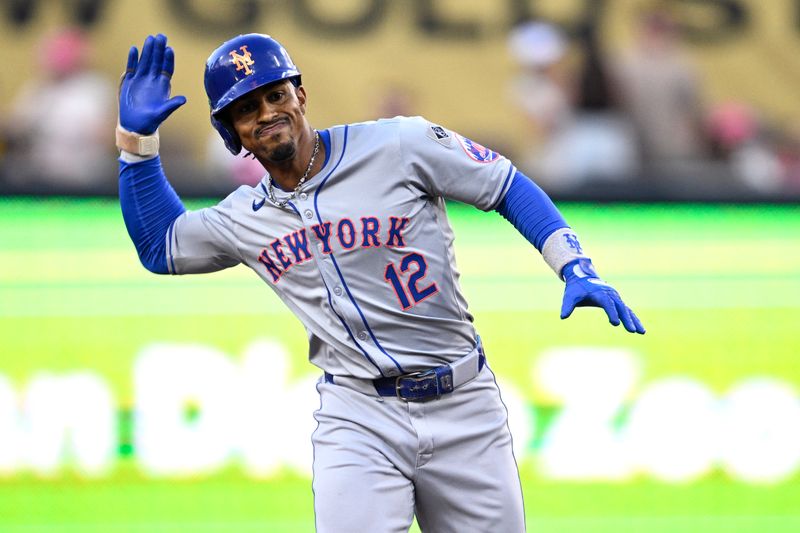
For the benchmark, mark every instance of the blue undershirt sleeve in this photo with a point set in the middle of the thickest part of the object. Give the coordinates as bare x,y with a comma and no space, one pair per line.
149,207
530,210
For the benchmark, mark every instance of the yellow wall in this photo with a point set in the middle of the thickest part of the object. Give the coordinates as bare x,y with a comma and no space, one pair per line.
460,83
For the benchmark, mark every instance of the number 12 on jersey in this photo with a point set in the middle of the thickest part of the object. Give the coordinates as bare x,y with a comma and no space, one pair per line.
405,280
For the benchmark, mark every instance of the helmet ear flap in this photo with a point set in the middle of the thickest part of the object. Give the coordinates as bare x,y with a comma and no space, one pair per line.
228,135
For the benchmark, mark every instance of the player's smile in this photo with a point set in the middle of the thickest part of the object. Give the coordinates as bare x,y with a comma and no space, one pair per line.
272,128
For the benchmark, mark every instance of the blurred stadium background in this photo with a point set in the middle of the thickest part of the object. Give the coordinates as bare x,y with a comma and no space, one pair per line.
666,131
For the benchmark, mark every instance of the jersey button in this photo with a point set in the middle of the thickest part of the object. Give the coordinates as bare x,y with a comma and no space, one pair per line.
362,335
337,291
303,196
308,213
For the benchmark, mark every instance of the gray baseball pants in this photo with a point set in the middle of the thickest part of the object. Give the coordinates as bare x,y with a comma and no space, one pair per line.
380,460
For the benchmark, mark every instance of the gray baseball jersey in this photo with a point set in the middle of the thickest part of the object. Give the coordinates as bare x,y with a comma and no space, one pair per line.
364,254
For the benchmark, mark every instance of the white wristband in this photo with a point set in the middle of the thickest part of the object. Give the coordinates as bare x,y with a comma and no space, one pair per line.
128,157
134,143
561,247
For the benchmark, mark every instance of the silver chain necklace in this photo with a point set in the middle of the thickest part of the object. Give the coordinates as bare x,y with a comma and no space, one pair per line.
271,189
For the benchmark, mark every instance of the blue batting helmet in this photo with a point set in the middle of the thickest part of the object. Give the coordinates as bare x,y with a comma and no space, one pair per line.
239,66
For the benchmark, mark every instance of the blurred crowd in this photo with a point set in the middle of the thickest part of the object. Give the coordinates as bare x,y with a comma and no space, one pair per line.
639,115
58,136
57,130
596,121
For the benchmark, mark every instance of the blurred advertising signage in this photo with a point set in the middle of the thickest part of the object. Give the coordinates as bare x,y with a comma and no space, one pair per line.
709,21
198,411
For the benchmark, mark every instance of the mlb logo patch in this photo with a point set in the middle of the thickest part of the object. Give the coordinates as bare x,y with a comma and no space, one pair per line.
439,134
477,152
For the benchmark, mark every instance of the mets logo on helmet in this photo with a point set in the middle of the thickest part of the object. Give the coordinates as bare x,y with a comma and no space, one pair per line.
477,152
243,60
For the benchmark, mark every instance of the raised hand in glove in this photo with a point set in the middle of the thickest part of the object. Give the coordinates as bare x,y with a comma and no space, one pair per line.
144,96
585,289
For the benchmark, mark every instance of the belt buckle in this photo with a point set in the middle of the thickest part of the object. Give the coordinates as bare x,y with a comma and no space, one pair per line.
422,381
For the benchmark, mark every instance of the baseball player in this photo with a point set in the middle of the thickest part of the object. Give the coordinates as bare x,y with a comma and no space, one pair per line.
349,228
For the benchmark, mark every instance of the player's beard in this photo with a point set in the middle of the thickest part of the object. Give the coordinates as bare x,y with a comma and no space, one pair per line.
283,152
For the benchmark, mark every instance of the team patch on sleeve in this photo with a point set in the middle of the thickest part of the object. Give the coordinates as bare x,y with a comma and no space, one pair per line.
439,134
477,152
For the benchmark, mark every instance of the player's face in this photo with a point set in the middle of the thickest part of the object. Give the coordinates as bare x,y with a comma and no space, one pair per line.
270,120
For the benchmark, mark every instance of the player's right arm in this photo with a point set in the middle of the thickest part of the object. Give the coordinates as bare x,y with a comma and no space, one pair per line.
168,239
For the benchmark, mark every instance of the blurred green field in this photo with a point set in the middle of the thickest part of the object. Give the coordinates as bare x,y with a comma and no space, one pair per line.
716,286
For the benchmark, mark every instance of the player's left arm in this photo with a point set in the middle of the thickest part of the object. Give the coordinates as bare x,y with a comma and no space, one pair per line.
535,215
445,164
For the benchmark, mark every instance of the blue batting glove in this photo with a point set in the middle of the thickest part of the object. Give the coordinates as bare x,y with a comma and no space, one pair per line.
144,101
585,289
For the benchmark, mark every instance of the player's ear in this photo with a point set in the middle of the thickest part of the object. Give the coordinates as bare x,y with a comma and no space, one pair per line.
301,97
